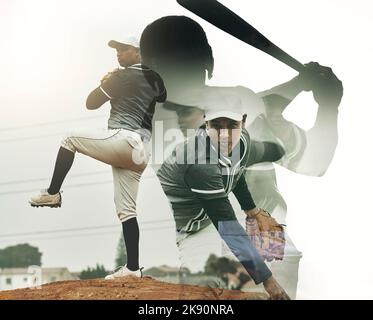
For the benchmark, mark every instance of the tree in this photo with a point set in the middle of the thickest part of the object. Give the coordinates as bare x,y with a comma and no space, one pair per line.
121,256
216,266
210,265
20,256
93,273
220,267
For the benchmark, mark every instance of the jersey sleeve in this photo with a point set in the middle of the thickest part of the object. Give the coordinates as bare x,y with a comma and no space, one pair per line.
264,152
243,194
205,181
117,85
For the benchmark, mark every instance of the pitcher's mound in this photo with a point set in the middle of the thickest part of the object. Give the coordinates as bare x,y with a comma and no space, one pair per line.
129,288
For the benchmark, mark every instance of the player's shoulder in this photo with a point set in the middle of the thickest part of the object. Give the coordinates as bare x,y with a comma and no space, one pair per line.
123,73
135,69
141,69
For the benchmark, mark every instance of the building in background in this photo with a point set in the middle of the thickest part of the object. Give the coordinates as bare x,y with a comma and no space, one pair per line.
16,278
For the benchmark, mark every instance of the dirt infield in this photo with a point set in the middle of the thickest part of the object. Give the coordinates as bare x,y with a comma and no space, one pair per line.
129,288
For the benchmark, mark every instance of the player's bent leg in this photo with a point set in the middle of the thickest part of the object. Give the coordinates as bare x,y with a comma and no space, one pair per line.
117,147
126,185
51,197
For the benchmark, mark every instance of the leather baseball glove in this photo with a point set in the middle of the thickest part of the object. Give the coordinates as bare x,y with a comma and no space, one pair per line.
267,235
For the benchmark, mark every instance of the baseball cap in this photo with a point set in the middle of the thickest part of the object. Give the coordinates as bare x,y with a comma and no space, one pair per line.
228,106
127,41
210,115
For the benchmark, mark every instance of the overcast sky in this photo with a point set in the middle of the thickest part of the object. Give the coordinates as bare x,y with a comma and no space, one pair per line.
53,53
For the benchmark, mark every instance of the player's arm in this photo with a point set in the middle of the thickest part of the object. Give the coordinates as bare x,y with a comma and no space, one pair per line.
112,87
207,184
321,80
283,94
96,99
222,215
243,195
315,151
264,151
322,138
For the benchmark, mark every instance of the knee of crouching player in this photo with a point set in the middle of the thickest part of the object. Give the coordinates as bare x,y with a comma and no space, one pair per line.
67,142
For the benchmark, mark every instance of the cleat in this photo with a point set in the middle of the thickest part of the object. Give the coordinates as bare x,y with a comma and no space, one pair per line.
123,272
44,199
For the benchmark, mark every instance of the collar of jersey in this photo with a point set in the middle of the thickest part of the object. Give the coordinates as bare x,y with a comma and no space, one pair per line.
138,66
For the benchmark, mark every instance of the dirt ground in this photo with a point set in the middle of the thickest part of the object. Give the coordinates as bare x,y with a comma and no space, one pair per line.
129,288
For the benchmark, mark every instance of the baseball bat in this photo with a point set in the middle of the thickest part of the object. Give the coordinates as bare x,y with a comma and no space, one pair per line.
225,19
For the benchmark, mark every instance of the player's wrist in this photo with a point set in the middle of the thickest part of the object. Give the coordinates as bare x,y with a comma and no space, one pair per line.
252,213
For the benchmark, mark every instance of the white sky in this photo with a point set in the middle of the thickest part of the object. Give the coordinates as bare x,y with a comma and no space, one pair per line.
52,54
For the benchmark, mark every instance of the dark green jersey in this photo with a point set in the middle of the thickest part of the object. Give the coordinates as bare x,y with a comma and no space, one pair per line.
197,181
195,172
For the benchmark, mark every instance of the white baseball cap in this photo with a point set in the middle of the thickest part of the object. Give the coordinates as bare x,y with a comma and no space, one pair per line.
227,106
210,115
127,41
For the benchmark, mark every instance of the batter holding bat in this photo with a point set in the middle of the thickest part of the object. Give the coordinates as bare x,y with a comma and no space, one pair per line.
184,62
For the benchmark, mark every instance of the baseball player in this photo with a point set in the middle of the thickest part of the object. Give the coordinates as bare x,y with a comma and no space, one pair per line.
197,179
133,91
184,63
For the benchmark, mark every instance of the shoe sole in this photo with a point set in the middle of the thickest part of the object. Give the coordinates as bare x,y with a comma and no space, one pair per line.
56,205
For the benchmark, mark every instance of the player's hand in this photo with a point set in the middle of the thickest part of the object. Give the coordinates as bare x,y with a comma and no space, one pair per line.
275,291
326,87
108,75
266,234
252,213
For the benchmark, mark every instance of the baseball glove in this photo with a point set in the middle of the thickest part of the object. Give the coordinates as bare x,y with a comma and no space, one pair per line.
108,75
267,235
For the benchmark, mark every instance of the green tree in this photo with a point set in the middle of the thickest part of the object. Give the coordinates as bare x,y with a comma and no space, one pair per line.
20,256
121,256
93,273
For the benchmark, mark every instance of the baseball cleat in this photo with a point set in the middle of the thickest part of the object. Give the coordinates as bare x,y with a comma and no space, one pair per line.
124,272
44,199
